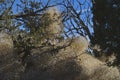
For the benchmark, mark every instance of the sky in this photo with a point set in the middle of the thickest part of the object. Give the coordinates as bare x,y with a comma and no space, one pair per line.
85,10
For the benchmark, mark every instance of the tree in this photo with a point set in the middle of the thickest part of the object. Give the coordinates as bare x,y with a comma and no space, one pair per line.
28,26
44,36
106,26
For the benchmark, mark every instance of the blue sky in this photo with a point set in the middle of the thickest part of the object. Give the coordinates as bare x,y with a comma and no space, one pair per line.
85,10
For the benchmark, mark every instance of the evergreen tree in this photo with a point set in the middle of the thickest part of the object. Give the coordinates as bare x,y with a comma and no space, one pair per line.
106,19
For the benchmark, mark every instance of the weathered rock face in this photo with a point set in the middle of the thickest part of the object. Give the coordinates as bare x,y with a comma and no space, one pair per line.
6,48
6,51
6,44
9,69
96,70
62,60
105,73
73,63
53,25
70,63
56,26
67,60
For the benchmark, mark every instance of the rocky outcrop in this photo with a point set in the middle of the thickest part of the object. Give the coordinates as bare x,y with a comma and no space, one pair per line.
74,63
65,59
69,61
9,68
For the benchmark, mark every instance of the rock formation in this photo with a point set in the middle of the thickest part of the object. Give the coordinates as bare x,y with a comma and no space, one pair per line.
9,68
69,62
74,63
65,60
